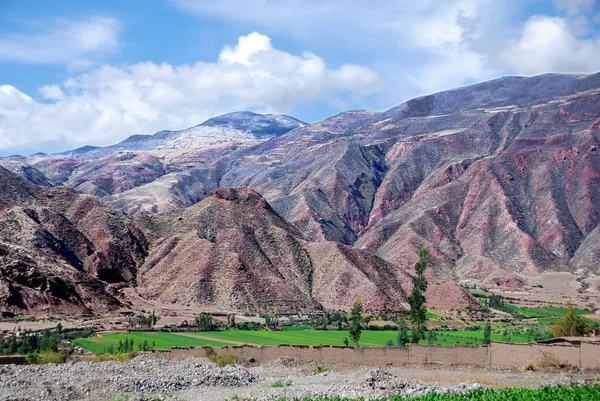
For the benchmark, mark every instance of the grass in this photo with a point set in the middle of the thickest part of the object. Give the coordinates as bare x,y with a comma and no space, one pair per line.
161,340
575,393
289,335
546,312
305,337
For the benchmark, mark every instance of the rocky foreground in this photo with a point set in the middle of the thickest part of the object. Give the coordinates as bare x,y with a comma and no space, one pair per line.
146,377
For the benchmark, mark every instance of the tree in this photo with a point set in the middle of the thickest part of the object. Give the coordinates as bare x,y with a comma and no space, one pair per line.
487,333
355,319
231,320
572,324
431,337
416,300
402,335
204,322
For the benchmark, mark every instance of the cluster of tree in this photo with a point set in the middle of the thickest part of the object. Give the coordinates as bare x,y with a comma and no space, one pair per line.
231,320
271,321
204,322
142,321
496,302
249,326
124,347
28,342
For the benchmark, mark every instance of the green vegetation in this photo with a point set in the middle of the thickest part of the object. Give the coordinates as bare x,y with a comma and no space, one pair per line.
355,326
487,333
402,334
144,321
46,357
222,358
204,322
416,300
572,324
320,369
279,383
161,340
46,346
579,393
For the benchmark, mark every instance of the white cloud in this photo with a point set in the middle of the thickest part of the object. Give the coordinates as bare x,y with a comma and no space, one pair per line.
427,43
547,44
424,46
106,104
65,42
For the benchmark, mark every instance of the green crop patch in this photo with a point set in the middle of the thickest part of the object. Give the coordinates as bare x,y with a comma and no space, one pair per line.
575,393
158,340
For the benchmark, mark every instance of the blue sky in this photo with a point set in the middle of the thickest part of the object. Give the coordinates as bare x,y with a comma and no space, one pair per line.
75,73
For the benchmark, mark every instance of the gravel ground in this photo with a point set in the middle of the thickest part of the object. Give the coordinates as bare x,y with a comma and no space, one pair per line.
148,378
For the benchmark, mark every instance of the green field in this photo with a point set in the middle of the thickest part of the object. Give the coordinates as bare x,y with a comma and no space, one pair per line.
293,335
546,312
579,393
101,343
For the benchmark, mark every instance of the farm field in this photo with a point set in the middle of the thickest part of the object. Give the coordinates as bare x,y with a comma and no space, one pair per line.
546,312
163,340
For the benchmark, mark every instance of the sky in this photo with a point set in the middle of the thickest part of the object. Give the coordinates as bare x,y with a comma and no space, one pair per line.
76,73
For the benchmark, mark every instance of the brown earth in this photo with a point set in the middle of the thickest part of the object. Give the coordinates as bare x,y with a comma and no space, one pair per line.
232,251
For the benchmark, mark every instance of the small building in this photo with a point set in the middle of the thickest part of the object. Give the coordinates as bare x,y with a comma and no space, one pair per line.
570,340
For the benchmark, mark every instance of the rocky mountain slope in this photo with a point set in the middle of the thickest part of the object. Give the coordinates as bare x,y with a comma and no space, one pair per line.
60,251
232,251
501,180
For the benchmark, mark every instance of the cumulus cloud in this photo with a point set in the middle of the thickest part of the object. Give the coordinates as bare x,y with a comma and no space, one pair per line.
432,45
547,44
420,46
64,42
107,103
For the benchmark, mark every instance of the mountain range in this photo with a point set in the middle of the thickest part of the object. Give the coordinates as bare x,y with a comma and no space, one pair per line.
500,180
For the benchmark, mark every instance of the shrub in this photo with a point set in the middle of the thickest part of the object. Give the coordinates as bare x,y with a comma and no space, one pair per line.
103,357
320,369
223,359
45,357
548,360
33,357
124,357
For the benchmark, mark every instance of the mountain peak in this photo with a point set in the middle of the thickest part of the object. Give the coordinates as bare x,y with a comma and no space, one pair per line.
241,126
242,195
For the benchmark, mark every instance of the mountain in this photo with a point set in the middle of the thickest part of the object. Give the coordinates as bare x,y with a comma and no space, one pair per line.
501,180
242,126
60,251
233,252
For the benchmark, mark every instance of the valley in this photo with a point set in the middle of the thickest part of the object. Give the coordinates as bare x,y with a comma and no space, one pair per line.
265,214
